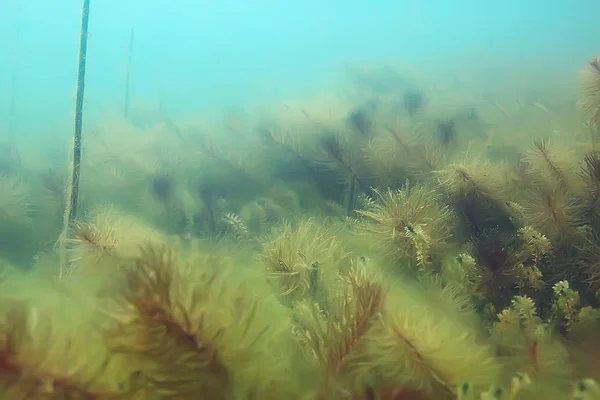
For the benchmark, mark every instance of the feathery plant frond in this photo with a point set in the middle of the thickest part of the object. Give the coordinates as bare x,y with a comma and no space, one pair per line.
16,203
423,341
547,164
407,223
299,257
152,325
237,226
334,339
590,91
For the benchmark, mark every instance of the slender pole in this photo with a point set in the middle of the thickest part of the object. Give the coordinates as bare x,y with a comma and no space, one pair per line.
13,78
79,111
128,75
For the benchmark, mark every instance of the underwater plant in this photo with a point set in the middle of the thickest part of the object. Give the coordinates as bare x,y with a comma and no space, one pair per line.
495,270
413,101
590,175
409,225
303,260
550,165
102,239
392,341
526,344
389,156
186,333
446,130
435,255
163,189
16,203
590,100
21,222
286,143
332,336
555,212
360,120
152,327
51,354
476,190
417,345
340,157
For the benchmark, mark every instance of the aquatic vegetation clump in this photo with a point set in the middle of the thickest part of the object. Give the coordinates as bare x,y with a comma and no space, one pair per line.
413,101
476,189
553,211
303,260
16,202
408,225
187,332
590,174
340,155
526,344
590,101
153,327
103,239
335,343
425,344
42,358
391,240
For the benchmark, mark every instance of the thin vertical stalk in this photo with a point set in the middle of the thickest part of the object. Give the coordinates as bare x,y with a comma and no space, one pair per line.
76,169
73,188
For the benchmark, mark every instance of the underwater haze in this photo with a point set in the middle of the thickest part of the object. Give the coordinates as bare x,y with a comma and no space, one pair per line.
299,200
193,54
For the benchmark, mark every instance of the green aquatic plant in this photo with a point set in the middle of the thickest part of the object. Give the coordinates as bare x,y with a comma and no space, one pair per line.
245,278
499,265
176,324
553,211
590,181
48,354
167,201
190,333
339,156
446,130
566,306
22,225
416,345
526,344
395,154
303,260
477,190
495,270
237,227
550,165
336,343
16,202
361,119
590,99
288,148
102,239
413,101
153,327
408,225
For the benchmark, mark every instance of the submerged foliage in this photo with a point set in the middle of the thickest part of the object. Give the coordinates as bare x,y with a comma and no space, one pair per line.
368,248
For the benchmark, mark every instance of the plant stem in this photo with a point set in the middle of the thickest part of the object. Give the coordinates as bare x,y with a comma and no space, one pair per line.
79,112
